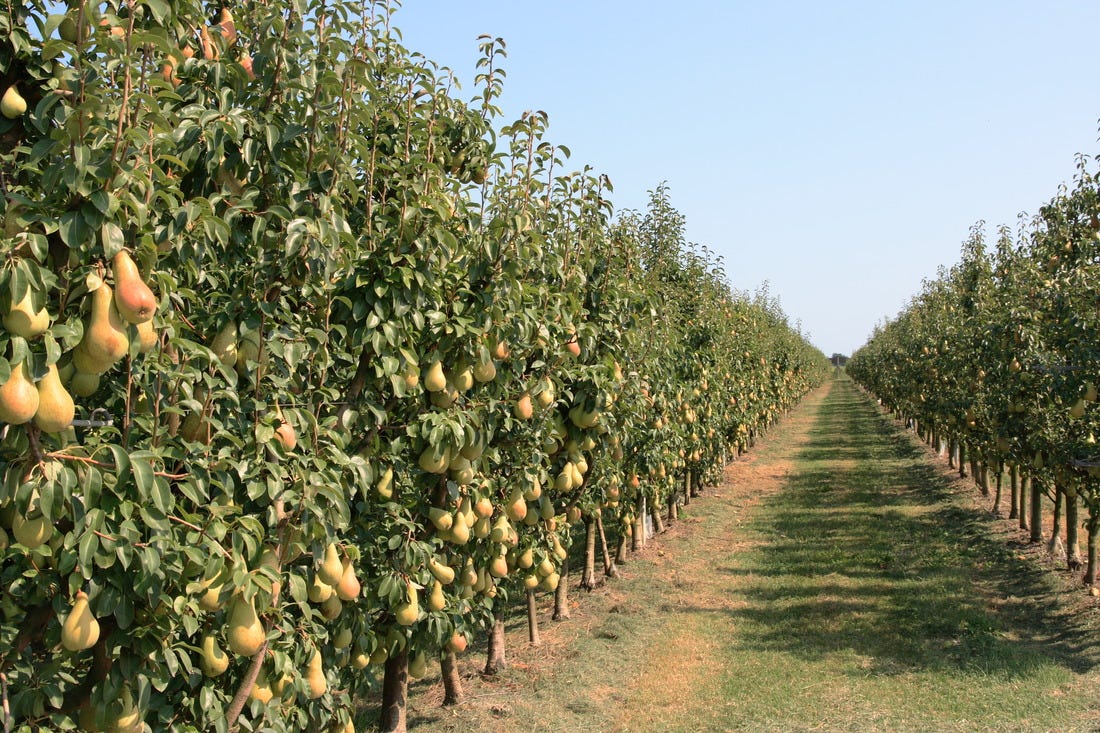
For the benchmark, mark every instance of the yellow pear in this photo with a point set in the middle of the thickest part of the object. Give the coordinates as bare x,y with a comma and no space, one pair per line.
384,487
105,340
460,530
547,396
406,613
330,570
227,27
342,639
23,320
315,677
485,370
246,634
498,568
214,661
224,344
285,434
31,533
348,588
55,405
463,379
18,396
443,573
319,591
80,630
147,336
434,459
133,298
523,408
436,600
441,519
12,104
434,378
129,719
457,642
261,689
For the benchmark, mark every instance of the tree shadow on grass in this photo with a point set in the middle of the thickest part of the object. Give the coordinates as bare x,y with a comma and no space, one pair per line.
870,551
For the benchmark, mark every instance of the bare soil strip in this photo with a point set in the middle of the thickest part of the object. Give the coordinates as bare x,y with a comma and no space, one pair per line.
839,579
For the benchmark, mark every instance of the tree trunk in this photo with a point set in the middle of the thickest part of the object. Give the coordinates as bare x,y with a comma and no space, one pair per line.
962,459
588,576
609,568
980,471
532,619
695,483
561,593
1054,544
495,659
1025,484
1093,530
1073,526
1014,493
395,687
637,536
951,448
655,515
672,512
1036,510
687,487
620,551
452,683
997,495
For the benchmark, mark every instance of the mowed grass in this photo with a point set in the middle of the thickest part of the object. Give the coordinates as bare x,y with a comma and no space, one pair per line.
880,600
839,581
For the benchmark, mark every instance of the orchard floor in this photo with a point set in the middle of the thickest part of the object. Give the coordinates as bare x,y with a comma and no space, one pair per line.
840,579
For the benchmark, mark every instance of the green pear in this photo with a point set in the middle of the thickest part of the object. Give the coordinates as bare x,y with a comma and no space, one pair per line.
214,661
246,634
80,630
12,104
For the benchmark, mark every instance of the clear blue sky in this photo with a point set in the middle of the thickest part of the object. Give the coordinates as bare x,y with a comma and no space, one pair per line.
838,150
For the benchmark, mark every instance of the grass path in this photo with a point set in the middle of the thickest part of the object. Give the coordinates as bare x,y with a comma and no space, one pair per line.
839,580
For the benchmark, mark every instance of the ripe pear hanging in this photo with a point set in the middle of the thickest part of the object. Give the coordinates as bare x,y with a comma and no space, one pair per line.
12,104
246,634
315,677
330,570
133,298
55,405
214,661
23,320
18,396
80,630
105,340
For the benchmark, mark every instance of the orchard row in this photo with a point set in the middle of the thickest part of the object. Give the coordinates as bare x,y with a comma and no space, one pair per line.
310,367
999,360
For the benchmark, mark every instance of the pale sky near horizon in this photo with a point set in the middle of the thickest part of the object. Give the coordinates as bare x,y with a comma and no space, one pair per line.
839,151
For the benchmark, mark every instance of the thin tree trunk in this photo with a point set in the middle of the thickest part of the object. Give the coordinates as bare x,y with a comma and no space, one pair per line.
620,551
1073,526
1036,520
609,568
951,447
1093,531
561,593
1014,498
997,495
452,683
980,471
672,512
1054,544
1025,486
655,514
687,488
495,659
395,686
588,576
962,459
695,483
637,536
532,619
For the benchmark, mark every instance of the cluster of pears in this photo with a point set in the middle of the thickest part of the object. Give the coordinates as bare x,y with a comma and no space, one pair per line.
444,386
226,28
334,582
106,340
